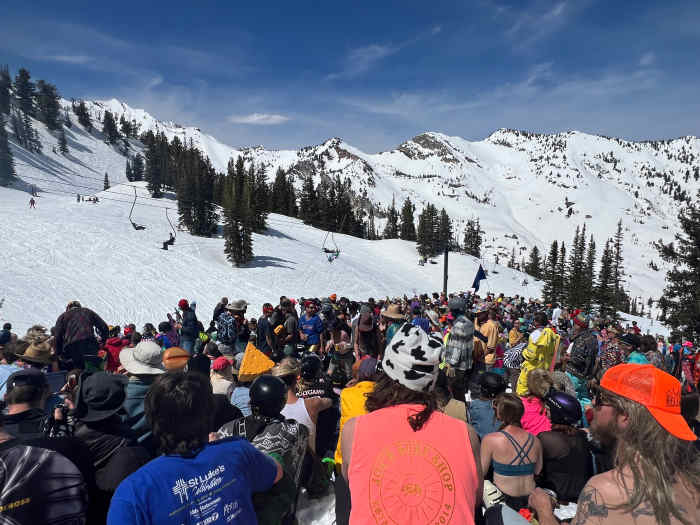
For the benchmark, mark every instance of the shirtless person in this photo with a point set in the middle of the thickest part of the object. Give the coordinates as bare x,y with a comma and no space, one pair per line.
657,473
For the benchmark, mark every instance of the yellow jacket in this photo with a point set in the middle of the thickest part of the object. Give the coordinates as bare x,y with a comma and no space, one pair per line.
514,336
537,354
352,404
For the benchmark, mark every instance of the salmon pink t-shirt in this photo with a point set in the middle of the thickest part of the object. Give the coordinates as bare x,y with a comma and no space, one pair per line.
397,475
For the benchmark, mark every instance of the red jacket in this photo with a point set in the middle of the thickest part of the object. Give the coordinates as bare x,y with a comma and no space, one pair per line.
113,346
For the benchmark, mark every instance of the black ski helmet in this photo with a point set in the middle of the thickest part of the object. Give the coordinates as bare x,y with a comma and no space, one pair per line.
268,395
564,409
492,384
310,367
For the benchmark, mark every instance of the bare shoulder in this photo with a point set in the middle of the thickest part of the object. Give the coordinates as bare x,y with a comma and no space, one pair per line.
592,507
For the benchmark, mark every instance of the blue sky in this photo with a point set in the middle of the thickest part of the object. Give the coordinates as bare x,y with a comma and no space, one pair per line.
289,74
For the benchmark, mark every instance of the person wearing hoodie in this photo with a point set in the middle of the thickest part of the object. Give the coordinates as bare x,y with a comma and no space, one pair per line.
162,338
539,352
190,326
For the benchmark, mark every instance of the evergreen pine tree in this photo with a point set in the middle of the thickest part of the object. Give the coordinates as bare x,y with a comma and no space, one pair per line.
7,164
48,104
109,128
511,261
534,263
232,224
444,232
261,198
129,172
425,233
561,277
605,289
125,127
308,204
681,298
408,226
473,238
24,92
106,182
550,274
154,165
66,119
24,132
81,112
137,167
618,270
588,284
391,230
237,215
5,84
575,283
371,229
279,197
292,208
62,141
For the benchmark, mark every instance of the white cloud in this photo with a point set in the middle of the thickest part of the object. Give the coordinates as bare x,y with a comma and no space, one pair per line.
361,59
157,80
647,59
259,119
68,59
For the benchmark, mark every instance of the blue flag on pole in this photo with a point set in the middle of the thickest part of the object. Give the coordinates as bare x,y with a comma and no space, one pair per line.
481,274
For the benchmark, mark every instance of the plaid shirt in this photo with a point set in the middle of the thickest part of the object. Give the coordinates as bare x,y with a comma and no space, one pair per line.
78,324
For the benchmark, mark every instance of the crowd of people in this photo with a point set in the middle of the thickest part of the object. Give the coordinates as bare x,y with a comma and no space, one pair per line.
415,410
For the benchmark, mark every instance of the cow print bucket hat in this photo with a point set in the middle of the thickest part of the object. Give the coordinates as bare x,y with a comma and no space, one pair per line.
412,358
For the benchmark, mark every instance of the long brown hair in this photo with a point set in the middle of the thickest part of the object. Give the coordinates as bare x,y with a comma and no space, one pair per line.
388,392
656,459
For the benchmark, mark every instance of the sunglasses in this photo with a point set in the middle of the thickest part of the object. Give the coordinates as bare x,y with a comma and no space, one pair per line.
600,400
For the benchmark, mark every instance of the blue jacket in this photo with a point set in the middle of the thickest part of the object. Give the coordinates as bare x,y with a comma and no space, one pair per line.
136,390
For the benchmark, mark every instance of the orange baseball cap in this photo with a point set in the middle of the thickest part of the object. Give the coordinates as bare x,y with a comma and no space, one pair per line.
658,391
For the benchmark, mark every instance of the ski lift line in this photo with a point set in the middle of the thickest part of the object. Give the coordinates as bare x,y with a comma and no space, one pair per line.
55,191
136,226
171,224
87,187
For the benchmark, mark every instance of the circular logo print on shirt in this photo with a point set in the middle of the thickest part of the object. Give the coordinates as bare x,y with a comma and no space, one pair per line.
411,483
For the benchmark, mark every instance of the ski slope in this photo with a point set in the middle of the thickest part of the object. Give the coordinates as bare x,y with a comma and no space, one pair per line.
65,250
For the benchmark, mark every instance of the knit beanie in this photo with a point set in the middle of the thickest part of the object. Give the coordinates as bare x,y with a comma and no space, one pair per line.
412,358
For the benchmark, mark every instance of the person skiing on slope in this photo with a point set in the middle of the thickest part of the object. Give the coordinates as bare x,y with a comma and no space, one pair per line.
32,203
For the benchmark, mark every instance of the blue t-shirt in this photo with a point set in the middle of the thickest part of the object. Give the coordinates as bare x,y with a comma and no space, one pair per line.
312,327
214,487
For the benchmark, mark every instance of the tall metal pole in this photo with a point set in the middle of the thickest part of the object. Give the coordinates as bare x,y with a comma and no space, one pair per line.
444,275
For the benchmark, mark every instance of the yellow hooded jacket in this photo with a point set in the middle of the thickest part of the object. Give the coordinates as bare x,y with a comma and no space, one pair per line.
537,355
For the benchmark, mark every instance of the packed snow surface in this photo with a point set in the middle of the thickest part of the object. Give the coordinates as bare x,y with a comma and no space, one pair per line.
65,250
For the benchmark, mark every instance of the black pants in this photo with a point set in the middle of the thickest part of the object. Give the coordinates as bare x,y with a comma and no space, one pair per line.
342,498
326,430
73,355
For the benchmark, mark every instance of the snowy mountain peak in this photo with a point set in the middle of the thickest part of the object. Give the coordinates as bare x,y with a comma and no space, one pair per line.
528,189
